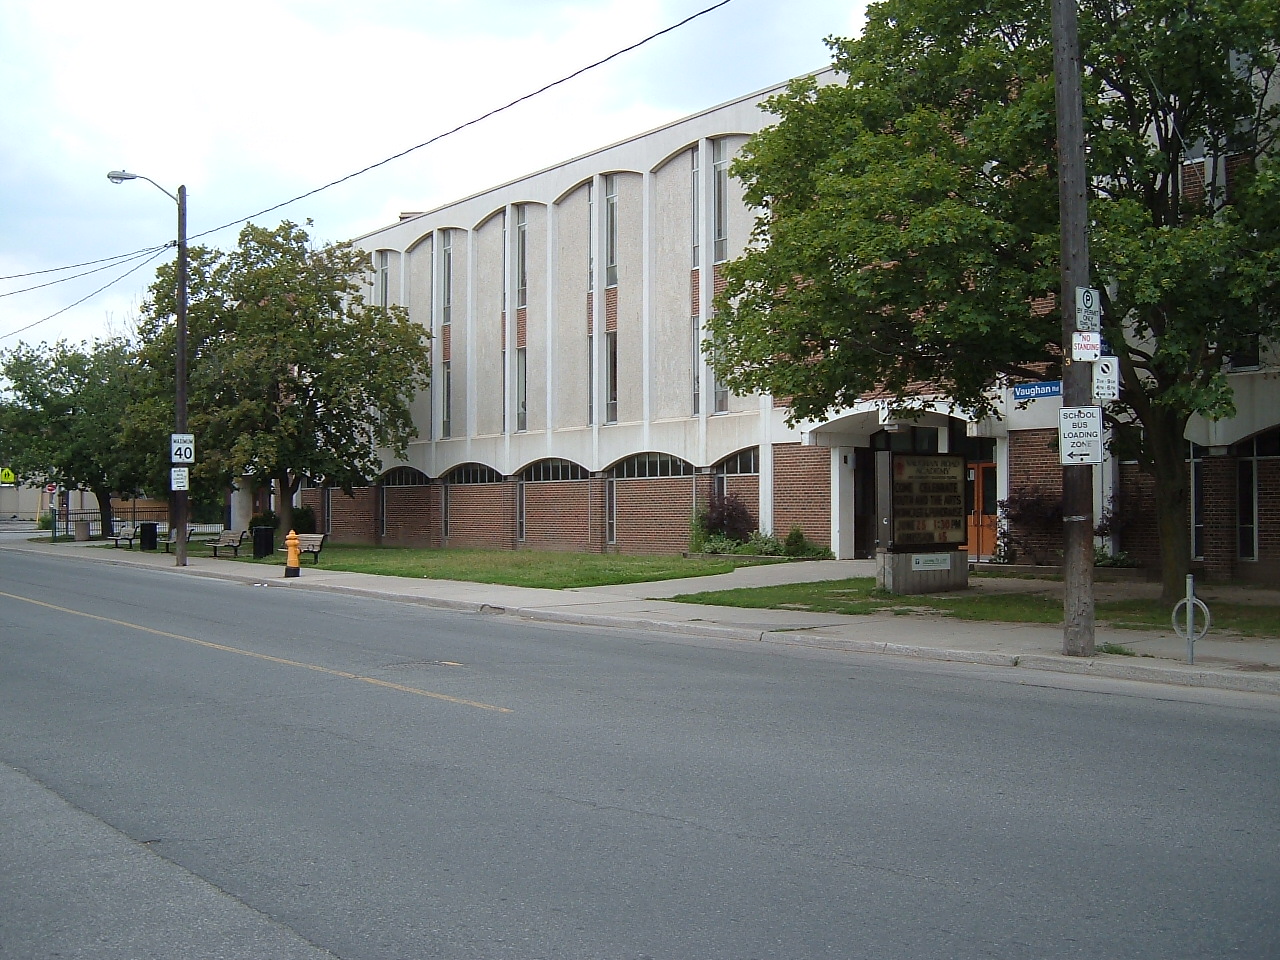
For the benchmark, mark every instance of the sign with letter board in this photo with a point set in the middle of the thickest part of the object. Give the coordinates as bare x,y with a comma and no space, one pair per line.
921,501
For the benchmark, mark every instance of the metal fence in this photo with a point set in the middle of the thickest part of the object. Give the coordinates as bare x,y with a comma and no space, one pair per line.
66,523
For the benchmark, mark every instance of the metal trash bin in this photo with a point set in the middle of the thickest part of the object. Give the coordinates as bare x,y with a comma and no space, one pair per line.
146,536
264,542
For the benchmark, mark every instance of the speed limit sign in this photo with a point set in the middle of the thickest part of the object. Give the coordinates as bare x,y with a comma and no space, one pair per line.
182,448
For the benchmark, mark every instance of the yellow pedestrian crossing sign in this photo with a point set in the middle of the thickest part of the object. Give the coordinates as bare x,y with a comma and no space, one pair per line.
7,478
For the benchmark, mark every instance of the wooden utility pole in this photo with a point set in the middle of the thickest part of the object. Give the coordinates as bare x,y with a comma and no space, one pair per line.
1077,381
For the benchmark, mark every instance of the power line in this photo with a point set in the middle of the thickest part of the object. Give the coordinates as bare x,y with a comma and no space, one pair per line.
14,333
87,263
351,176
470,123
115,262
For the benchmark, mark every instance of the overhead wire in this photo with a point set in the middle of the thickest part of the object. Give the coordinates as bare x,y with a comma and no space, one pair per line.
135,269
333,183
115,262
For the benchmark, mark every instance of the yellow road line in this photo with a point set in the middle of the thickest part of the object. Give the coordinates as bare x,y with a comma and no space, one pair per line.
262,656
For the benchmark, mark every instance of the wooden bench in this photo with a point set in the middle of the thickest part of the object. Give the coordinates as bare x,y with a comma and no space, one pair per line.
229,539
129,533
172,539
310,543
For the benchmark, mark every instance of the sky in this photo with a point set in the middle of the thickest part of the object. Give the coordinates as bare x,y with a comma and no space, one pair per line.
249,103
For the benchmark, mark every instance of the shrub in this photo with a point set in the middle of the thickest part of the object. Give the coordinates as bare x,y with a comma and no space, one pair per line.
761,545
698,531
798,545
729,517
716,543
267,518
304,520
45,520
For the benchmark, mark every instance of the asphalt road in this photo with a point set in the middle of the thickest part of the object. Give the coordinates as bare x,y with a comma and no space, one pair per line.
193,768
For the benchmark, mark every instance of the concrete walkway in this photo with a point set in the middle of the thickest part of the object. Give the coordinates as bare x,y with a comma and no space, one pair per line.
1223,661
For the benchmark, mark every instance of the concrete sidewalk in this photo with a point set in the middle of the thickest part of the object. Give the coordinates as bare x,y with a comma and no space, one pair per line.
1223,661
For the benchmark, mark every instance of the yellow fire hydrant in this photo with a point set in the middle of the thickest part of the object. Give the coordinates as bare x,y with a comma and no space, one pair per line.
292,558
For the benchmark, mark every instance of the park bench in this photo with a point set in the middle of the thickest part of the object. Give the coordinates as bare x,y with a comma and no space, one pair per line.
129,533
230,540
308,543
172,539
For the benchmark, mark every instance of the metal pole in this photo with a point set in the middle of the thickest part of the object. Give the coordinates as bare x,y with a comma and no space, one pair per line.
1077,389
1191,619
180,365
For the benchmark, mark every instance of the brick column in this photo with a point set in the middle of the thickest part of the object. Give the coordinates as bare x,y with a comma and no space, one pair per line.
1221,553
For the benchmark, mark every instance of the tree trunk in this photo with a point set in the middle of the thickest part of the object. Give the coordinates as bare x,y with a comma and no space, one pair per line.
1167,446
284,500
104,511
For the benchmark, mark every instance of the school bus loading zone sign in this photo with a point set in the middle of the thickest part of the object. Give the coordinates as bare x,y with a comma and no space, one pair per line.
928,501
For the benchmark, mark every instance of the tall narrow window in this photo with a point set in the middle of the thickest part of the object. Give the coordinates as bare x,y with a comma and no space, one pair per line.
522,256
520,511
502,364
446,402
1247,508
720,198
611,510
695,213
719,392
611,230
611,377
591,379
382,290
695,360
1197,501
591,235
522,389
446,276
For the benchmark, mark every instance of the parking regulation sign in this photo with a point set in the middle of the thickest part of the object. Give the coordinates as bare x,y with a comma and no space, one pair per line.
1079,435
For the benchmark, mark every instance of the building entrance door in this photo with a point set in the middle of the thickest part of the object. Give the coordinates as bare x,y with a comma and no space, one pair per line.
980,497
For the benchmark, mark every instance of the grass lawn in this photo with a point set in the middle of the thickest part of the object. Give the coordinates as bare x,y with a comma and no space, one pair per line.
860,596
517,568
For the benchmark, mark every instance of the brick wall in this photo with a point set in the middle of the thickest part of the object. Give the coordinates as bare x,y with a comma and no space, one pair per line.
1138,534
802,491
413,516
653,514
354,517
557,515
482,515
1221,540
1034,469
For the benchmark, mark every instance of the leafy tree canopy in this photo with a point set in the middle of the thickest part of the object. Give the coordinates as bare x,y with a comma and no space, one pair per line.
60,421
908,236
292,374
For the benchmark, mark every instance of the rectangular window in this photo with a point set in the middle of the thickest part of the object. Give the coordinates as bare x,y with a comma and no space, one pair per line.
1246,500
522,256
522,389
502,365
382,289
1248,357
611,510
695,214
611,377
446,276
720,198
1197,507
591,236
520,511
719,392
591,379
446,401
696,362
611,230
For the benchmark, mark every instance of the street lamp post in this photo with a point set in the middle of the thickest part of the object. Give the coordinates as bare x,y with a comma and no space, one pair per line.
180,360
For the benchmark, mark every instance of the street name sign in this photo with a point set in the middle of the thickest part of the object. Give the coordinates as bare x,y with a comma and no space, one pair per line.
1086,346
182,448
1079,435
1088,310
1106,378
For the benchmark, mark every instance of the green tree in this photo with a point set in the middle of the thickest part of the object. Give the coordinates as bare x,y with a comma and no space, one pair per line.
908,232
62,418
292,374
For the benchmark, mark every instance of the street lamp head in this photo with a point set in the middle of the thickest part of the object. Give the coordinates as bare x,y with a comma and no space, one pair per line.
120,176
